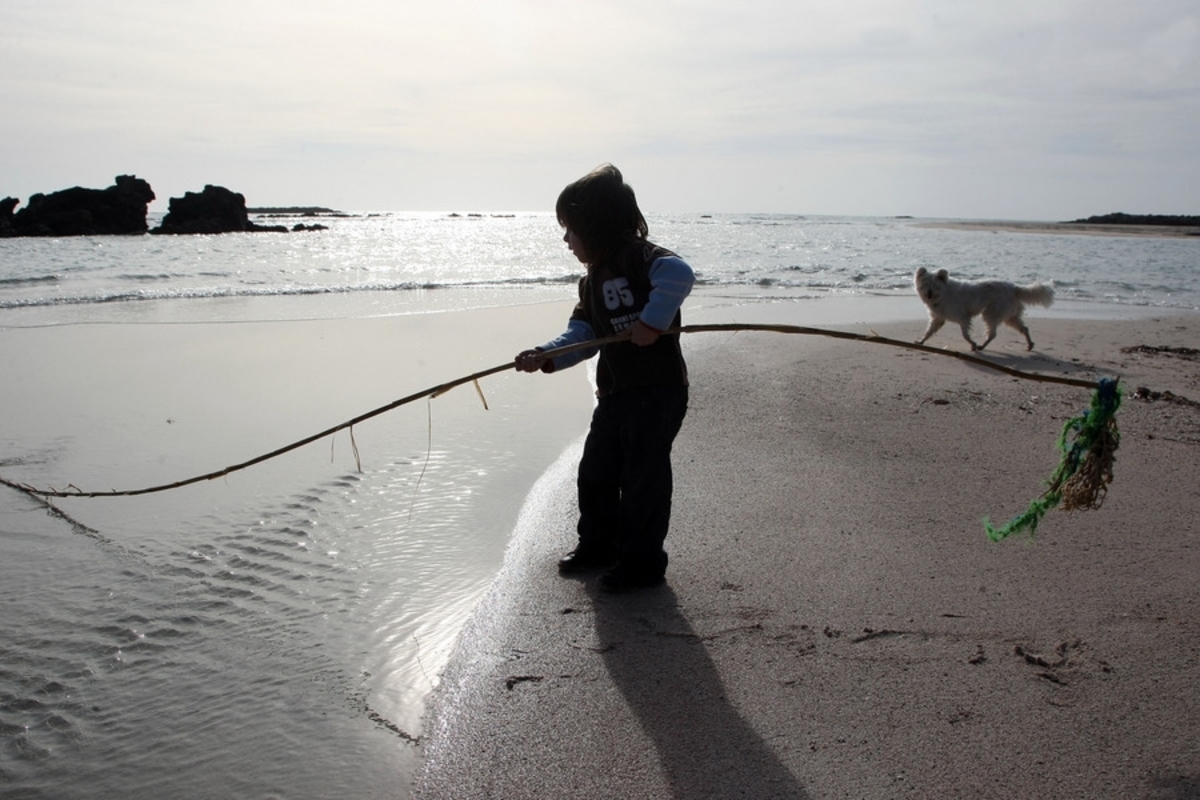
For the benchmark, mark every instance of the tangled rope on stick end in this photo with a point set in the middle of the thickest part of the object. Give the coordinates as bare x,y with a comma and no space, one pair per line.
1082,478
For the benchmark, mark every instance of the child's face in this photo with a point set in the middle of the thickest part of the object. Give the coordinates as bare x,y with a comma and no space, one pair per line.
575,245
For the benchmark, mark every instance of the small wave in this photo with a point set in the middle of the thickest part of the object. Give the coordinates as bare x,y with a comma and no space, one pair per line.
205,293
36,280
147,278
857,282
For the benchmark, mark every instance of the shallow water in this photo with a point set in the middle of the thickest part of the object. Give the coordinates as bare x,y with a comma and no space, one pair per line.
278,630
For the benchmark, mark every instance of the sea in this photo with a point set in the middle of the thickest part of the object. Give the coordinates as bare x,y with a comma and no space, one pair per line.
279,635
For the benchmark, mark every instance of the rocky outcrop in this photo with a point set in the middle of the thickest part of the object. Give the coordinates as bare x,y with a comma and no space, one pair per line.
214,210
6,215
119,209
298,211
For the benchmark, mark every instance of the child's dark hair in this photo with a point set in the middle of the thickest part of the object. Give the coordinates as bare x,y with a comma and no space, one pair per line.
601,209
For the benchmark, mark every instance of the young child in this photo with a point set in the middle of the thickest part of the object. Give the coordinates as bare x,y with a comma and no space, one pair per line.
634,286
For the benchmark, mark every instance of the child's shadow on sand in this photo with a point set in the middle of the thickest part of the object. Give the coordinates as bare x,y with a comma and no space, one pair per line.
661,667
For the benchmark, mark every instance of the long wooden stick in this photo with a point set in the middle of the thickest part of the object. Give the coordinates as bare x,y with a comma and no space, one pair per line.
876,339
442,388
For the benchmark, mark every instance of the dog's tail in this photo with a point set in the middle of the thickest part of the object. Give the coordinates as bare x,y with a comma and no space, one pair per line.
1038,294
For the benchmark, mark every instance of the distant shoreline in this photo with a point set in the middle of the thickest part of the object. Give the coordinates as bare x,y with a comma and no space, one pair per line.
1080,228
295,211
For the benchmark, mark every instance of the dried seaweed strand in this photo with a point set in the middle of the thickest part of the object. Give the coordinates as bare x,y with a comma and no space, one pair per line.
1088,444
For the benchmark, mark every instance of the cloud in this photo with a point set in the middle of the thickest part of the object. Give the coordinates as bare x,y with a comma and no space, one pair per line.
791,104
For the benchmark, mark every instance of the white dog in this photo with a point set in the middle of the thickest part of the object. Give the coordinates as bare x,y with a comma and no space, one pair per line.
958,301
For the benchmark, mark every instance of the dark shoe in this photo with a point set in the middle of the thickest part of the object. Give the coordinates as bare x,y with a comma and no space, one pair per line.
622,579
582,560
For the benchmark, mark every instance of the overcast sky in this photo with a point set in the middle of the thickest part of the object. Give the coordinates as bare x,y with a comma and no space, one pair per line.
1020,109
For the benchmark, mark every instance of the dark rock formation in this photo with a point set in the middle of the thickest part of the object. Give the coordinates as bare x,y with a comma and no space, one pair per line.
298,211
119,209
6,215
214,210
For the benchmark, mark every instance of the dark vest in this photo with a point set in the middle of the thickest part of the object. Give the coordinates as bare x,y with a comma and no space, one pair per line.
611,297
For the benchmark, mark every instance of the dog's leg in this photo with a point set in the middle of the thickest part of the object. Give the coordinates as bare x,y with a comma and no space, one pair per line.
966,332
935,325
991,335
1024,329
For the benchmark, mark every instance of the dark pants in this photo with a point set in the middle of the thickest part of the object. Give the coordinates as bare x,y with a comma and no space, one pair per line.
625,481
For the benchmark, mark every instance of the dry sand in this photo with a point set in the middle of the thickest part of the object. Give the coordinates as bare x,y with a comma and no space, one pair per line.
836,623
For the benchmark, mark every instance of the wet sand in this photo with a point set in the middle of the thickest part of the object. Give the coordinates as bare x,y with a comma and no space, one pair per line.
1075,228
836,622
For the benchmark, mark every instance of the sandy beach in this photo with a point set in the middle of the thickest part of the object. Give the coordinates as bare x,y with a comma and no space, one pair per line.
836,622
